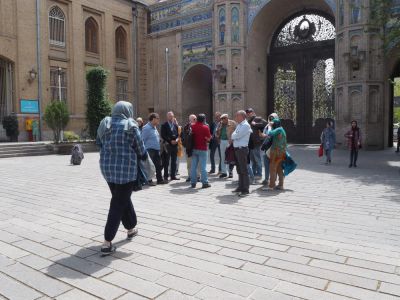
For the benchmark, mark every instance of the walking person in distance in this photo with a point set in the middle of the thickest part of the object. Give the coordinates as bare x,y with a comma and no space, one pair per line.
328,141
354,139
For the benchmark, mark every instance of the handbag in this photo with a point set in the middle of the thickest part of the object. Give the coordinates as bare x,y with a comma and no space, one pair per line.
148,168
268,153
321,150
230,155
267,143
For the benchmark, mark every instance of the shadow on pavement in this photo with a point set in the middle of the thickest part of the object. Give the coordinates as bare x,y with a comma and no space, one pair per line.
77,266
228,199
375,168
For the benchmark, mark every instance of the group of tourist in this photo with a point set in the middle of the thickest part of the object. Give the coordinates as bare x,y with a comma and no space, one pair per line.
248,142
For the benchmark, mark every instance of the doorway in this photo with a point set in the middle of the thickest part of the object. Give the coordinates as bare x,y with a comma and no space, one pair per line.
301,75
394,117
197,92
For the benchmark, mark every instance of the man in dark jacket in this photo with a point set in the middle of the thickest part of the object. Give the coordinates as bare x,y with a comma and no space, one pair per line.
214,144
257,125
169,134
398,140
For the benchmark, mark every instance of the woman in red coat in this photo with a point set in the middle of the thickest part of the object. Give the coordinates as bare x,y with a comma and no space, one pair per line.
354,139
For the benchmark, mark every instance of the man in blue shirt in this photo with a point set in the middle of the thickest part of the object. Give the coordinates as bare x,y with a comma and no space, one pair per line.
240,138
151,139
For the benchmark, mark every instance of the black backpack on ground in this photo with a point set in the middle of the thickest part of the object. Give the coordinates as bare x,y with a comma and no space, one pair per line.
77,155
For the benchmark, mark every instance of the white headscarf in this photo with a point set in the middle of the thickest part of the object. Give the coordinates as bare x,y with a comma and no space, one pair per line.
274,116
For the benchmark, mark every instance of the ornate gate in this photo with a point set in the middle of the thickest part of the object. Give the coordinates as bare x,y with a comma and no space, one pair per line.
301,76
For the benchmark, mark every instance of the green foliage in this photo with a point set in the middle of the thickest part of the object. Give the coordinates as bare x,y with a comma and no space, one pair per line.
10,124
71,136
384,17
98,106
56,116
397,87
396,115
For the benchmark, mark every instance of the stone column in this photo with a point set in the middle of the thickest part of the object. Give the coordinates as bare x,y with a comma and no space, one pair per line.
359,74
229,96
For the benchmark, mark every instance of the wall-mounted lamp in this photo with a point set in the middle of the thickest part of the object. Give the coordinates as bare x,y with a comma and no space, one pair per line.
32,75
354,58
220,73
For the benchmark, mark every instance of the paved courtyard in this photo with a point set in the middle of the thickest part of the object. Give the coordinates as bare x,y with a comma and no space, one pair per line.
334,233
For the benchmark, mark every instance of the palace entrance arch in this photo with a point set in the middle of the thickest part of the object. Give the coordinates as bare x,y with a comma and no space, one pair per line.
264,27
197,92
301,75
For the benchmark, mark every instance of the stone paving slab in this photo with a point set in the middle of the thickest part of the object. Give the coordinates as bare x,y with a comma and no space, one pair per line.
332,234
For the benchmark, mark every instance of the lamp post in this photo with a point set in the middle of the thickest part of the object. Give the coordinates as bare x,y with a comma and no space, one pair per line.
167,67
59,71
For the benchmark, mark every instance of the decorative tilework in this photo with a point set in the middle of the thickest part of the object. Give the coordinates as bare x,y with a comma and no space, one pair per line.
197,47
181,22
204,32
255,7
197,53
181,13
396,7
235,24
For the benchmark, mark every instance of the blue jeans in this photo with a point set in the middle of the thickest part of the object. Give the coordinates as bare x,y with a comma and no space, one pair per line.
266,166
256,162
199,157
251,173
223,146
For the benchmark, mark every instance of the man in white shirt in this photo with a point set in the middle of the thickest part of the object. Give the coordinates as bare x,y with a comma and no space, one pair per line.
240,139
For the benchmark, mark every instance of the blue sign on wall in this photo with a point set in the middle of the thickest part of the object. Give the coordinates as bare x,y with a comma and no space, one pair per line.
29,106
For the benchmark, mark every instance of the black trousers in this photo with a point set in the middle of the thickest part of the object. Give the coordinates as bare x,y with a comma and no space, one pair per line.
353,156
156,159
121,209
170,155
241,157
213,148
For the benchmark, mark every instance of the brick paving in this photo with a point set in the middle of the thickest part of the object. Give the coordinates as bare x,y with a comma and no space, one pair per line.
332,234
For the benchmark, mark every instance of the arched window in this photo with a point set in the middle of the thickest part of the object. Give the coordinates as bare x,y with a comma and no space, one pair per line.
222,23
120,43
92,35
355,6
57,27
341,12
235,25
305,29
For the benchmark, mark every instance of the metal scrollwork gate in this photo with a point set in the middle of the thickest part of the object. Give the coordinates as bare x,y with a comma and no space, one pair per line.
301,76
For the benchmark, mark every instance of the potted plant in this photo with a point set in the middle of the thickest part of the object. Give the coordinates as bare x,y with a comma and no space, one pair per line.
56,117
10,124
98,106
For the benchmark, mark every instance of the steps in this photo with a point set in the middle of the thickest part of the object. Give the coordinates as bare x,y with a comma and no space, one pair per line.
8,150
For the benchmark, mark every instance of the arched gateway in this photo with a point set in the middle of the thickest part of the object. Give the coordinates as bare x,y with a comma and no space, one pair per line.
301,75
197,91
